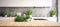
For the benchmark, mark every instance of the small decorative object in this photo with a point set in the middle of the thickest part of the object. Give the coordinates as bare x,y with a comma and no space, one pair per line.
24,15
5,13
53,13
19,14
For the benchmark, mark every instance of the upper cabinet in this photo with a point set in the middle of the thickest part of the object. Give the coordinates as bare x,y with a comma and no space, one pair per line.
25,3
43,3
16,3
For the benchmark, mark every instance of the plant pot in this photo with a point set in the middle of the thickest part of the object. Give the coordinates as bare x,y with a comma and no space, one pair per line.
30,16
53,15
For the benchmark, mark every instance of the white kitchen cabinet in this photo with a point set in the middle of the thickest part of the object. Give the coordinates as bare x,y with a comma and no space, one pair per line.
43,3
16,3
25,3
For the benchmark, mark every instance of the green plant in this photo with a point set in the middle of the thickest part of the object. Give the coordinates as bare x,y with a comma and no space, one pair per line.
5,13
53,12
29,12
20,18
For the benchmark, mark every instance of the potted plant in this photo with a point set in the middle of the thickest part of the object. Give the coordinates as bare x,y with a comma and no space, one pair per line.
53,13
29,13
5,13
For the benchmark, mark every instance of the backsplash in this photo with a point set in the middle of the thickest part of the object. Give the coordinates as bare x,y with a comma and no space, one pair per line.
37,12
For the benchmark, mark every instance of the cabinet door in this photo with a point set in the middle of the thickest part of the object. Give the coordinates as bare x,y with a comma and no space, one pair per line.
16,3
25,3
43,3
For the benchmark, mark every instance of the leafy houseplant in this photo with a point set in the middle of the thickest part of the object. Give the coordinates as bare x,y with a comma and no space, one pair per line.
5,13
21,18
53,13
29,13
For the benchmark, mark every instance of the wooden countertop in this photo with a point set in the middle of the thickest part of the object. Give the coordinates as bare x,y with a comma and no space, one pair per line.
10,22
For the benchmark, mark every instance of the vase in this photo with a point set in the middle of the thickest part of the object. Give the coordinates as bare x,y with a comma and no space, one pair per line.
53,15
30,18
